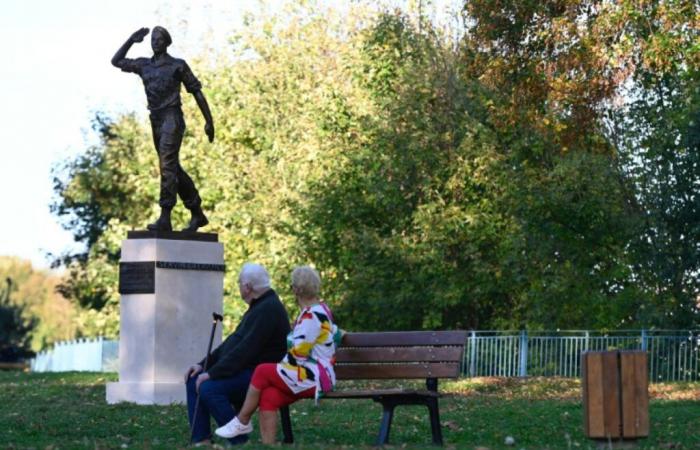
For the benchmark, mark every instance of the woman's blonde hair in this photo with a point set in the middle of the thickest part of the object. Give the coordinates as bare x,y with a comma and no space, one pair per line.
306,281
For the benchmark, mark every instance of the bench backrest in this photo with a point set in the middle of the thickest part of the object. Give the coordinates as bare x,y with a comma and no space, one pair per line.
400,354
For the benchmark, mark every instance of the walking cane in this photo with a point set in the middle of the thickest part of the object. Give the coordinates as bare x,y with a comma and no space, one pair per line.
216,318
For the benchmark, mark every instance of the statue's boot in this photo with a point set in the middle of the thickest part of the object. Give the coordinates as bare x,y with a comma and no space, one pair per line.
163,222
198,220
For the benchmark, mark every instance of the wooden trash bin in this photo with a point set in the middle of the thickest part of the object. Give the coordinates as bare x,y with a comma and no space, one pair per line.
615,394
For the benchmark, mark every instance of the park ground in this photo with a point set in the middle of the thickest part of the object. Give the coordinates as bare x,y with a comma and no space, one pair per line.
68,411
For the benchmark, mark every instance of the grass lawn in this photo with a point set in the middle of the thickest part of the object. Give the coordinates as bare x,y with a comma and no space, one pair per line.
68,411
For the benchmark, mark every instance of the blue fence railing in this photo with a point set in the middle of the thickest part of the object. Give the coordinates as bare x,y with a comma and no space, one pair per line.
93,355
674,355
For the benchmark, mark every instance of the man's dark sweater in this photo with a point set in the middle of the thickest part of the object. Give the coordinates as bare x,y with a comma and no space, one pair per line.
261,336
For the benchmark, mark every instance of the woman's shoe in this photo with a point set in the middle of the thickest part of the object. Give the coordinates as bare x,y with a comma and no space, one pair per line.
234,428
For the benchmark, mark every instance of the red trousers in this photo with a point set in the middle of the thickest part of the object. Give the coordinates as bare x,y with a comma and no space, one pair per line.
274,392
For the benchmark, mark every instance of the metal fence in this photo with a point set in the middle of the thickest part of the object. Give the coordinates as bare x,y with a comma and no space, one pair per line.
94,355
673,355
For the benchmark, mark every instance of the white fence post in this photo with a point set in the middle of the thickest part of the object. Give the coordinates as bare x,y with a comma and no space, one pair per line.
523,353
472,352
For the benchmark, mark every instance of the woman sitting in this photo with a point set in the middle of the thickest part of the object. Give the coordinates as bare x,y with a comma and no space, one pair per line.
305,372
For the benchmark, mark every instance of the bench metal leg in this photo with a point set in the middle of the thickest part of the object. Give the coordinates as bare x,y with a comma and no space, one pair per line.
286,425
435,427
385,427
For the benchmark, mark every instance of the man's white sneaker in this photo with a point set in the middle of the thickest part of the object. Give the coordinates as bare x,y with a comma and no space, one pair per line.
234,428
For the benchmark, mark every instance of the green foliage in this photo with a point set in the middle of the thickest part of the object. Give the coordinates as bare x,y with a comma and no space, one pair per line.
43,315
458,178
555,69
262,97
570,264
96,185
405,225
660,142
14,328
101,194
656,135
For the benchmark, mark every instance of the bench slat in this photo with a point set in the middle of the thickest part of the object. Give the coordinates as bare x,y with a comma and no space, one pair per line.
404,338
379,393
396,371
14,365
399,354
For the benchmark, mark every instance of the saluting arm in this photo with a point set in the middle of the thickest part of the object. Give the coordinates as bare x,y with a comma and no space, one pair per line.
137,36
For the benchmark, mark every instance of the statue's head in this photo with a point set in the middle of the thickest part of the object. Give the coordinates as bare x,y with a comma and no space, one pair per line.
160,39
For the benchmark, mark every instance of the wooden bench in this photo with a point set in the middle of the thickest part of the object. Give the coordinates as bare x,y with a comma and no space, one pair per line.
14,366
400,356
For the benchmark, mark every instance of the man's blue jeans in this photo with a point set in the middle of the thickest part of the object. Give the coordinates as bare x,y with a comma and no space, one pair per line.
216,397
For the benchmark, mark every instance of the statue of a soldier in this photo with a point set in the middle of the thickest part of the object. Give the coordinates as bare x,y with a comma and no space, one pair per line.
162,75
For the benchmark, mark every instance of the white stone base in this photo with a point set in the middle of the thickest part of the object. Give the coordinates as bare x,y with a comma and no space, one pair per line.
146,393
166,320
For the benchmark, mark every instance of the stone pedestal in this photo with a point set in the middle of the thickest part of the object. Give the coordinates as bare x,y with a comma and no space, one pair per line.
170,284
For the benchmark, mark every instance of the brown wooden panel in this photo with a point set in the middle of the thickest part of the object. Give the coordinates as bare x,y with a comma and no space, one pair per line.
594,394
611,395
396,371
15,365
584,392
642,387
399,354
404,338
629,403
635,400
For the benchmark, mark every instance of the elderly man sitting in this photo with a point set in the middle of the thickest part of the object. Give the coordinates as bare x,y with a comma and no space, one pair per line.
260,337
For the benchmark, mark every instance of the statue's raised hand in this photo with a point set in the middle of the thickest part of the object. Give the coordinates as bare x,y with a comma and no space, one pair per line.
139,35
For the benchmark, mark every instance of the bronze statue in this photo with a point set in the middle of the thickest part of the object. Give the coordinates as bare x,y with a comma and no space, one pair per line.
162,75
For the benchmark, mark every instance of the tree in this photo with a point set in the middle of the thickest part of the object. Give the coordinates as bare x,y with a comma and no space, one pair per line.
405,224
438,179
14,328
656,133
264,97
547,72
100,194
556,70
660,140
34,294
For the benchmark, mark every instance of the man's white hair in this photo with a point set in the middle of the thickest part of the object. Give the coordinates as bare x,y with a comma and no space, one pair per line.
255,275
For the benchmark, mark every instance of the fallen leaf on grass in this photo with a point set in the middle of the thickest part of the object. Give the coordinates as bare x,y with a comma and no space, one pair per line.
452,425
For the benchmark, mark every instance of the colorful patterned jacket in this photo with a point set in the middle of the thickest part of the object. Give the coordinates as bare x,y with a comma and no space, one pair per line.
311,351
